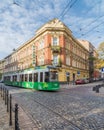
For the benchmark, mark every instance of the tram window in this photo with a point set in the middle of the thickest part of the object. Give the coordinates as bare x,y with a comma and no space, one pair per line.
22,77
41,76
53,76
35,77
30,77
26,77
8,78
46,76
15,78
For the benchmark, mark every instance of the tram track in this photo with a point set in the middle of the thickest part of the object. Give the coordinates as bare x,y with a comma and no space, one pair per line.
37,122
43,106
56,113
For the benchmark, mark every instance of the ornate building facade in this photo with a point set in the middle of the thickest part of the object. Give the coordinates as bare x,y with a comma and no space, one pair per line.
53,45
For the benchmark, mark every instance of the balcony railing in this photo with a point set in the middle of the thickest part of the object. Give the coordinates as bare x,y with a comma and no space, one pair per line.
56,49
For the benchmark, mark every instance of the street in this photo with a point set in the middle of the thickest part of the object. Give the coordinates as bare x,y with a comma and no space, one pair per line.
75,108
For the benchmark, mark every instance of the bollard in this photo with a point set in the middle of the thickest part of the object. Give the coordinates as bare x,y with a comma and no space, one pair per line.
3,93
7,98
10,120
16,118
97,89
0,89
94,88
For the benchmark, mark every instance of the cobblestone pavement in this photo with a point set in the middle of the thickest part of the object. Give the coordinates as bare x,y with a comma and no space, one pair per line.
74,108
4,116
25,123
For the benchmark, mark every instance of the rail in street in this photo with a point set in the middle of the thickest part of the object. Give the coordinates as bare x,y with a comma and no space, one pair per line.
77,108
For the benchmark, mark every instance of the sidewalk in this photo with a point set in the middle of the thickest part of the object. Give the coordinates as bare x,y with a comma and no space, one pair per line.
25,122
70,85
4,116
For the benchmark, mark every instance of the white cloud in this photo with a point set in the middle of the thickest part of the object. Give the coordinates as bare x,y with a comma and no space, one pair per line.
19,23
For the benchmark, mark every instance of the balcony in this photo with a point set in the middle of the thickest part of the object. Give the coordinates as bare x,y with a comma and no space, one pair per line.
56,49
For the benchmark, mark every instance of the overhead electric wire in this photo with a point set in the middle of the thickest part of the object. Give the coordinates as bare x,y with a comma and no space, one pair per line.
92,22
93,6
93,28
88,11
65,8
69,6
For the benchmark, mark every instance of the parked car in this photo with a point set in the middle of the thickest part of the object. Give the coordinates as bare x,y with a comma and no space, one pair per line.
86,80
80,81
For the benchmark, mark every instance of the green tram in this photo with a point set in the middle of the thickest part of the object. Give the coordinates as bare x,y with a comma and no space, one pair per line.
39,79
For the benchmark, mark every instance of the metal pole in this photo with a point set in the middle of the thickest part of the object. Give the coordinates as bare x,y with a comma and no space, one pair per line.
3,93
0,88
5,97
10,121
16,117
7,101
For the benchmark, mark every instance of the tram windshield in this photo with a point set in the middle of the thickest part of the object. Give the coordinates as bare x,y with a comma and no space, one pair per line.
53,76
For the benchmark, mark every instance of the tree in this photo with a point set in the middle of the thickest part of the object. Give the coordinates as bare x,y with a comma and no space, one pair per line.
92,61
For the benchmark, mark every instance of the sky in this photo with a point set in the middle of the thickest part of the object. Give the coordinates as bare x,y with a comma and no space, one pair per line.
19,20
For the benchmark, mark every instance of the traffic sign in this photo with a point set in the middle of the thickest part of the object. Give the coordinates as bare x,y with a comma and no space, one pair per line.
67,73
78,72
102,69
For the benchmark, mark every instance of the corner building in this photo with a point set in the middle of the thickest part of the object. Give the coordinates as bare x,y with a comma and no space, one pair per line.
53,45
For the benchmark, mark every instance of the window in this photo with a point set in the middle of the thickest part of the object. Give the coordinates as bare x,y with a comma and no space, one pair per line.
55,59
41,44
41,60
35,77
74,63
67,60
14,78
53,76
22,77
30,77
41,76
55,41
26,77
67,44
46,76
